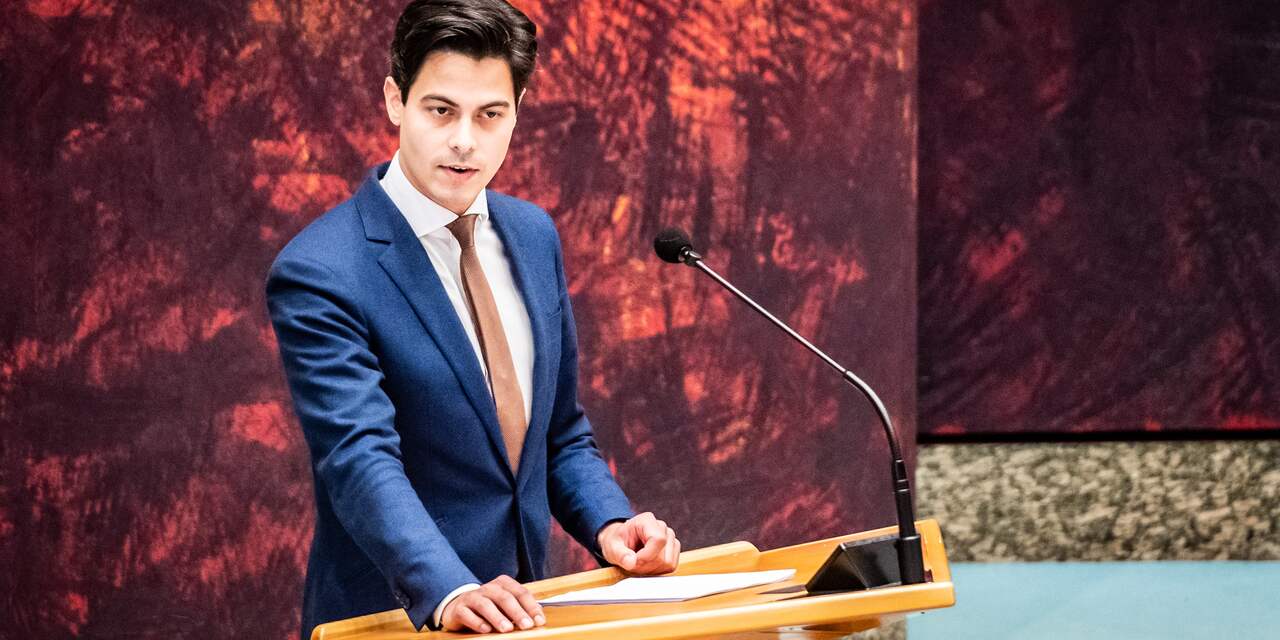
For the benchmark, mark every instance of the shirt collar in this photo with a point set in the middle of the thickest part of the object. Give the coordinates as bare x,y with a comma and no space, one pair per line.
425,215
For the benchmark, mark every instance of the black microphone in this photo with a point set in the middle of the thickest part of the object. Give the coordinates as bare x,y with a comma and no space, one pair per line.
673,245
861,564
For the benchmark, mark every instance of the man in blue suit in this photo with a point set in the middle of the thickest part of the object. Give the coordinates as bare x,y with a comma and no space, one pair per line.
429,344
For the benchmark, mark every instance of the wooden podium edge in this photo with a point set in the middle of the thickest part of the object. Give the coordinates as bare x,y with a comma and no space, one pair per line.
690,561
875,605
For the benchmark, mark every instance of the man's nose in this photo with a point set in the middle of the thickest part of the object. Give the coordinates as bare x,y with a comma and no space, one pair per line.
461,141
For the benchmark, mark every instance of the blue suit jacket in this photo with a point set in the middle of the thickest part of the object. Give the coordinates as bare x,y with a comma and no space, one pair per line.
414,496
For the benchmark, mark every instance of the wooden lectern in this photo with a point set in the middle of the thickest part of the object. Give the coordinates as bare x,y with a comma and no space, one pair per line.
728,615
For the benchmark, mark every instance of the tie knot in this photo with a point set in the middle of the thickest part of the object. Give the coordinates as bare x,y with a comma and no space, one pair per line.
464,229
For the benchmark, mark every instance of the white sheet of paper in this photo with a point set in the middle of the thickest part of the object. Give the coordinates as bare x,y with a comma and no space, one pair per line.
669,588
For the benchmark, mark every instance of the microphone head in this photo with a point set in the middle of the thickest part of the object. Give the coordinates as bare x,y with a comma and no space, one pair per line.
671,244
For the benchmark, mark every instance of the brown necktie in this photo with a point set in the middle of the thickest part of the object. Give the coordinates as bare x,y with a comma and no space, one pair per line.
493,341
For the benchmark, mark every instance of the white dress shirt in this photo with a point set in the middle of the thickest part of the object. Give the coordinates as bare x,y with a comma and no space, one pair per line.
428,220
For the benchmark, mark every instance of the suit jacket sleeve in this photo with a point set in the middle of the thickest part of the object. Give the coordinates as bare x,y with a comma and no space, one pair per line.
583,493
348,422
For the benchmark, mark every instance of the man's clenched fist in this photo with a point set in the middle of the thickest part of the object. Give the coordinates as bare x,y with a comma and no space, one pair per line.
643,545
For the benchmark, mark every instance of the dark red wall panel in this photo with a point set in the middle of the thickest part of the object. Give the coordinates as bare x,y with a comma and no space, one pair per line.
153,481
1100,217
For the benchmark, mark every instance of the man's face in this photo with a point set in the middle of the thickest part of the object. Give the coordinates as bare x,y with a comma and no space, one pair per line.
455,127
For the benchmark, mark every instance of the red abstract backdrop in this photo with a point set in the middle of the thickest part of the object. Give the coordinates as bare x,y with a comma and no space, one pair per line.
153,481
1100,217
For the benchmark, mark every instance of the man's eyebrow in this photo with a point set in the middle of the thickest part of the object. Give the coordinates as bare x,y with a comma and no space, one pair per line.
440,98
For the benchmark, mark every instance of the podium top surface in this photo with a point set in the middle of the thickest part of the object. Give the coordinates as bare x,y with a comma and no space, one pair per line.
765,607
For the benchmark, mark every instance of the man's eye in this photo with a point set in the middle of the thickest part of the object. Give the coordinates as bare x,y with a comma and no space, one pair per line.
492,114
440,111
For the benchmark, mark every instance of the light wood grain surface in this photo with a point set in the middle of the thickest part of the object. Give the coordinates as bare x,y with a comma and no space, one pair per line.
749,614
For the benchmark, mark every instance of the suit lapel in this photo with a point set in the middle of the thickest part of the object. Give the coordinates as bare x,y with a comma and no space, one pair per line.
540,298
406,262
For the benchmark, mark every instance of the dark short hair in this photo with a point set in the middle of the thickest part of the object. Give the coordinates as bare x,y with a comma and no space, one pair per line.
476,28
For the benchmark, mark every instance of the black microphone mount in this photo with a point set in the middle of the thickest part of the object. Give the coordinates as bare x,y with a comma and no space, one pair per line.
860,564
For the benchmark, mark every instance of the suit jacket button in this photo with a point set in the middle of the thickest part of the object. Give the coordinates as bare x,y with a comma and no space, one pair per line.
402,599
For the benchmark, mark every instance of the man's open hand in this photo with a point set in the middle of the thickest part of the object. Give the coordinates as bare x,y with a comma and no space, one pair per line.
643,545
502,604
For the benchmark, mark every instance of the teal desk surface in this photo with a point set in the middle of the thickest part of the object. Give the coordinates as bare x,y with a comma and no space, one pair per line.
1103,600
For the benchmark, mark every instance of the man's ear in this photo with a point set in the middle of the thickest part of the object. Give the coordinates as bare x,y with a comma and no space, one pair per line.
519,101
395,105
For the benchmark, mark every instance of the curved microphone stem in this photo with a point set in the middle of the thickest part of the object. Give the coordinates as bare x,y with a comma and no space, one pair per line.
910,553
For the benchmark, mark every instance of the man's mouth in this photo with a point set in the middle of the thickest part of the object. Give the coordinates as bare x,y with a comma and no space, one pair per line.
459,169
